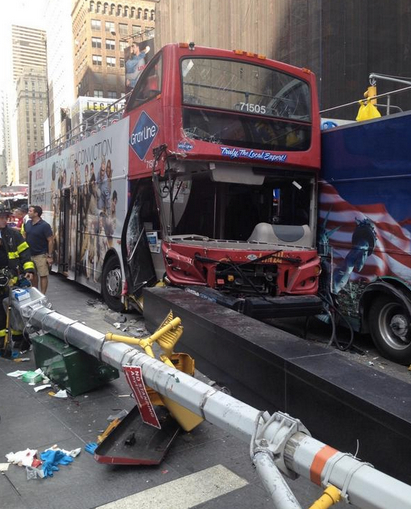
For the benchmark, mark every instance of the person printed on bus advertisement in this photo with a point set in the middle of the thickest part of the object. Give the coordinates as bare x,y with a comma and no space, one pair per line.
85,204
102,182
60,178
135,64
363,243
92,220
55,201
72,220
111,220
92,169
75,192
101,247
106,189
109,174
77,176
85,197
53,185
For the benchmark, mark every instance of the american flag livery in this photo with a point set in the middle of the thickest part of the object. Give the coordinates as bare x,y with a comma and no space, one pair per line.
338,220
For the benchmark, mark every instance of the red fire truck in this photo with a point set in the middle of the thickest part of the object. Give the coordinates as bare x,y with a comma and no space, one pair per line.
208,181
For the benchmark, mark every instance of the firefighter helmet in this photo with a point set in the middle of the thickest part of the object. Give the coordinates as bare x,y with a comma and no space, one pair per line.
4,209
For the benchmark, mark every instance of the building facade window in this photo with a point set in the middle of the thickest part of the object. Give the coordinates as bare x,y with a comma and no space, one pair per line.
110,44
96,42
123,45
123,28
122,63
136,29
110,26
111,61
112,94
97,60
95,24
98,93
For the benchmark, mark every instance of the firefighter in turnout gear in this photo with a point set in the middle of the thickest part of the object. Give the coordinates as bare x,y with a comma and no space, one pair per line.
15,260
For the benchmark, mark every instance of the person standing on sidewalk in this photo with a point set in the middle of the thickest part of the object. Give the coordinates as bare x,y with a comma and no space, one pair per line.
14,261
20,216
39,237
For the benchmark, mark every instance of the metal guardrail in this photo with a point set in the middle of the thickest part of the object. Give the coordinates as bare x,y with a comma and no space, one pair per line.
373,80
386,94
98,121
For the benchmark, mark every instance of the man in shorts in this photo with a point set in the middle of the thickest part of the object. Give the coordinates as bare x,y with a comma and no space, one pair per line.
39,237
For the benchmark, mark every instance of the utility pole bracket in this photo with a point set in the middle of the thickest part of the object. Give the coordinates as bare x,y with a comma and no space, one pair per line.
273,435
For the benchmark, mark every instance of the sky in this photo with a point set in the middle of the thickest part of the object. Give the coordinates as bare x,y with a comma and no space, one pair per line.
25,13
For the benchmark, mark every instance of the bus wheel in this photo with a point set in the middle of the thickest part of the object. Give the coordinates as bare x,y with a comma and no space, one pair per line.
111,284
390,327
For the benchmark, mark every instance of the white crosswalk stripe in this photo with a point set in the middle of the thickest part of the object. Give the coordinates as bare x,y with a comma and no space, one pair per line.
185,492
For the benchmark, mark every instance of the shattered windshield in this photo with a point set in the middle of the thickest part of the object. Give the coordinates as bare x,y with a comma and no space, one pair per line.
268,109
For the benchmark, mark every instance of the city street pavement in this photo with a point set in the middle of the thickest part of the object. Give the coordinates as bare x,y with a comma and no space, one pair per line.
206,468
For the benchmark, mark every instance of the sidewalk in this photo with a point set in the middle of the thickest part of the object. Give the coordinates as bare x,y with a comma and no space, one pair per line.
38,421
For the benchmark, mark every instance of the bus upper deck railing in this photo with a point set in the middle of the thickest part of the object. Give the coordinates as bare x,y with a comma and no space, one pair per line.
99,121
388,106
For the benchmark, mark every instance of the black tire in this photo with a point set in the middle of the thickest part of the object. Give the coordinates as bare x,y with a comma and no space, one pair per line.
390,327
111,284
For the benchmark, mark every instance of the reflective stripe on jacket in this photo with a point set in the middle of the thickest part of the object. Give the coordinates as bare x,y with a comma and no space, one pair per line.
18,251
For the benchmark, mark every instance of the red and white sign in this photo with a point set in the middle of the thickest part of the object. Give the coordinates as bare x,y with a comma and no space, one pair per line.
134,378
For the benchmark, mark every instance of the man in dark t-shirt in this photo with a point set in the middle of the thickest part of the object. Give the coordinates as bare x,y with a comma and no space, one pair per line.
39,237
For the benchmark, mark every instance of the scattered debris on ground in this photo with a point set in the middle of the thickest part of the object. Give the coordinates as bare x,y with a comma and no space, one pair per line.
43,465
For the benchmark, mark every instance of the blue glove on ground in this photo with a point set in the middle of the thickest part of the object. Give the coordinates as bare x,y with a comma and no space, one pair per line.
56,457
65,460
91,447
51,459
48,469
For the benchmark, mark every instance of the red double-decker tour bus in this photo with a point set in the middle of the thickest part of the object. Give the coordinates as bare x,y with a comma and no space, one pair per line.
208,181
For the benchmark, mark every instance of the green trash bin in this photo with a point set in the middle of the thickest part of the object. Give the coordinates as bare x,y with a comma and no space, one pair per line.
70,368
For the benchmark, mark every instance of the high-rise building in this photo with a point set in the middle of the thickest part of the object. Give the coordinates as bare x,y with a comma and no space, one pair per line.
5,139
102,31
59,64
30,79
28,49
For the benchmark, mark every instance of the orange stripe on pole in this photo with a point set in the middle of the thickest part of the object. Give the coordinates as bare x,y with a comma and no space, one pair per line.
319,461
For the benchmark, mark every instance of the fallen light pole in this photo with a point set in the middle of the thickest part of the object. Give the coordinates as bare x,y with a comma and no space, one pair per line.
278,443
